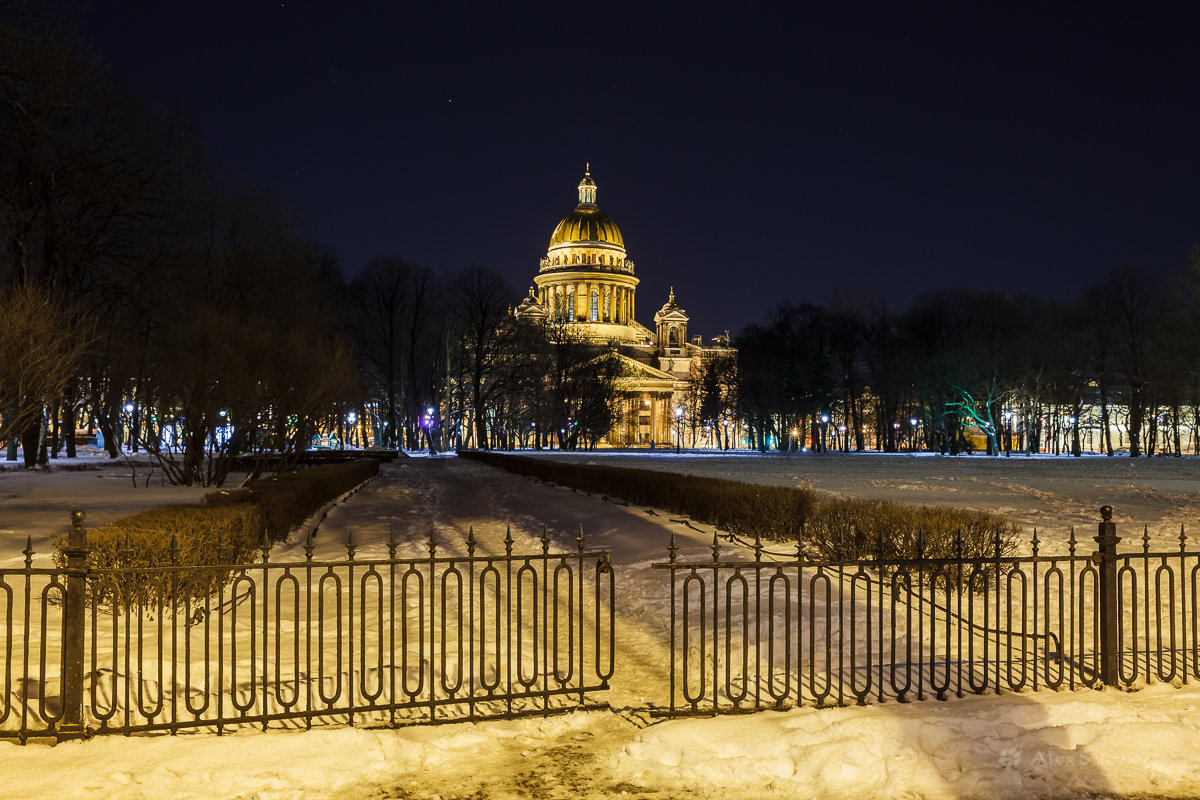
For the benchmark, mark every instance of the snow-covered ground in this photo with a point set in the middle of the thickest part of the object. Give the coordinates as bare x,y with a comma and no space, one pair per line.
1016,745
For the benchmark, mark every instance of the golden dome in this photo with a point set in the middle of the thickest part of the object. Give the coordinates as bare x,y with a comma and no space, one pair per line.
587,224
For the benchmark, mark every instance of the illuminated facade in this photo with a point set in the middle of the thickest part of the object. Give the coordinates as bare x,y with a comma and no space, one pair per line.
586,281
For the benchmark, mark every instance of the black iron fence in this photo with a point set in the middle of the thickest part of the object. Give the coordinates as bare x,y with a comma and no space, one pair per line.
784,629
473,635
373,641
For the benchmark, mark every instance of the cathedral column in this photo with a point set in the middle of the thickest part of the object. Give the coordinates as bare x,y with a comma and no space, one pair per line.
653,416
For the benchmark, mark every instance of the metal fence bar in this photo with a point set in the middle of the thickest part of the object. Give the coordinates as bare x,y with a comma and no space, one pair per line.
910,628
388,641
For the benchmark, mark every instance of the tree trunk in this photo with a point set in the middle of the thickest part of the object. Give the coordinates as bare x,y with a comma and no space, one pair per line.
30,442
1135,423
1105,422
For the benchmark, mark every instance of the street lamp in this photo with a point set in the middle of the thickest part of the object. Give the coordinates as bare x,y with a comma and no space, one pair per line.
824,423
129,426
427,424
912,439
678,426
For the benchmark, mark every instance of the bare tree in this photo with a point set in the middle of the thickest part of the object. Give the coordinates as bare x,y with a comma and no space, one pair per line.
1129,308
41,345
480,303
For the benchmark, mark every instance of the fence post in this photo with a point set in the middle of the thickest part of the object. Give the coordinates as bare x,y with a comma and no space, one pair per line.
76,552
1110,643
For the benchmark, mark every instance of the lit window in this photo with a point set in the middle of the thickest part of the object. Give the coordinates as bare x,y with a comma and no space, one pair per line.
594,313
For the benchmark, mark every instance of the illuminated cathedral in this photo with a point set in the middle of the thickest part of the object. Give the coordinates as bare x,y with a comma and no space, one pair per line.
586,282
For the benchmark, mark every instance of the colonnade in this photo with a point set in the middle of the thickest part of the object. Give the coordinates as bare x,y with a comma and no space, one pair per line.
614,303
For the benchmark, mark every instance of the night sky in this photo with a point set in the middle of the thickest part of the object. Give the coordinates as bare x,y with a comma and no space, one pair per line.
749,155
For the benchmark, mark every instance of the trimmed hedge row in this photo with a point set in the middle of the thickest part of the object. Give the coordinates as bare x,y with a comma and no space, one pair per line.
744,508
237,520
833,528
287,500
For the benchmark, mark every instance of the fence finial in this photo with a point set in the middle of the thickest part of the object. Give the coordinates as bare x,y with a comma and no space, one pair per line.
391,542
579,538
1145,539
1035,541
471,541
672,548
508,540
545,540
432,542
758,548
716,548
1072,542
308,545
265,546
28,552
1182,538
350,546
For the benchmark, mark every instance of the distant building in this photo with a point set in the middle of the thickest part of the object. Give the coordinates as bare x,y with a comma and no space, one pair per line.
586,282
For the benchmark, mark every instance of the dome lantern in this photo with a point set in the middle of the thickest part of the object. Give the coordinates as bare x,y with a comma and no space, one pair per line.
587,187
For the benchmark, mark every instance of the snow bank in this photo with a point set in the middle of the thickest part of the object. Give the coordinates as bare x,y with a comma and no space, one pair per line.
1033,745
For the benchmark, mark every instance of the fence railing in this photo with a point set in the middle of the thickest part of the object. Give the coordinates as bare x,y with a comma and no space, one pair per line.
384,641
784,629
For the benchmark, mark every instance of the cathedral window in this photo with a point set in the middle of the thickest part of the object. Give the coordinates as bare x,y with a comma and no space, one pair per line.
594,310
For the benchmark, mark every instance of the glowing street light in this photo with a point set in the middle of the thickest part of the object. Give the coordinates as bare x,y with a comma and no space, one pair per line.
427,424
678,426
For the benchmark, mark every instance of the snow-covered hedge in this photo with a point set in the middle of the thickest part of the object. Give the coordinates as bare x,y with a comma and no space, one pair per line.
287,500
746,509
143,541
833,528
848,529
230,527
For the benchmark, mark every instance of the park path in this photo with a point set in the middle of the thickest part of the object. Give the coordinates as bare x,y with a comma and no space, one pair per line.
453,496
